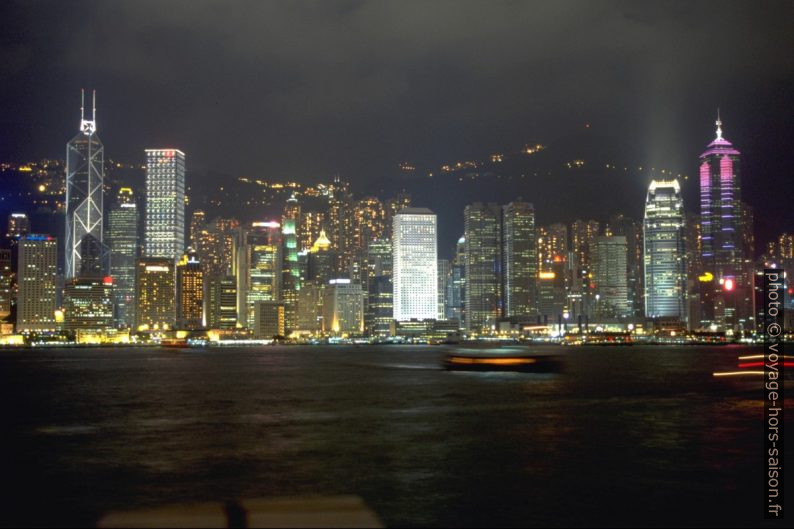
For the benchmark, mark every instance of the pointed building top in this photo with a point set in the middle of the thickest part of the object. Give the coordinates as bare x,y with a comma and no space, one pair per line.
322,242
719,125
87,126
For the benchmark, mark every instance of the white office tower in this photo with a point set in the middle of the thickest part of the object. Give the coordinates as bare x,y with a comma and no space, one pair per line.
415,265
165,203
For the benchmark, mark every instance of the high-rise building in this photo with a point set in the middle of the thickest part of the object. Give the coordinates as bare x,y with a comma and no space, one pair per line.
165,203
723,231
38,266
321,260
583,234
189,292
379,306
343,308
519,258
664,252
122,237
290,269
552,242
483,237
258,267
269,319
310,307
414,262
610,275
85,177
88,304
198,224
18,226
456,285
444,271
6,282
155,294
221,302
624,226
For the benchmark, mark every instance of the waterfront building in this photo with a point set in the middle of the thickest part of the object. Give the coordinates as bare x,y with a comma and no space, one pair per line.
37,269
290,270
88,304
444,271
520,260
310,307
664,252
343,308
610,276
269,319
724,229
624,226
456,285
6,283
155,294
414,262
189,292
483,236
221,302
123,241
258,268
85,178
165,203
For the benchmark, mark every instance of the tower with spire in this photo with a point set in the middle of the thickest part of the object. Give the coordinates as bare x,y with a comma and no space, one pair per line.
722,231
86,254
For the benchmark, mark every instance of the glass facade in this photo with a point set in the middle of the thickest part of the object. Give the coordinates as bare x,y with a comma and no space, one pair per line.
165,203
664,251
415,276
123,242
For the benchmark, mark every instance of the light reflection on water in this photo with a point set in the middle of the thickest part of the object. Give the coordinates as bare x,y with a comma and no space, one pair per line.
621,435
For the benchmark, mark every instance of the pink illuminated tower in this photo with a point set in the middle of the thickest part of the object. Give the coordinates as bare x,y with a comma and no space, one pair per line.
722,231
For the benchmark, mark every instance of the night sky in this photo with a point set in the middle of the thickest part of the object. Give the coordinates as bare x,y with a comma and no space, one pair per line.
307,90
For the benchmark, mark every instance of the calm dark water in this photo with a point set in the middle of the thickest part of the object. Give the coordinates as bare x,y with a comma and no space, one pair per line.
635,435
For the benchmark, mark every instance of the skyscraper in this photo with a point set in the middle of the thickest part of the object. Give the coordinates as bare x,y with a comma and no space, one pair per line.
415,276
724,239
552,242
610,275
519,255
664,252
38,266
290,269
483,237
85,176
165,203
88,304
6,281
343,308
456,285
221,302
189,291
444,271
630,229
123,242
155,293
258,268
18,226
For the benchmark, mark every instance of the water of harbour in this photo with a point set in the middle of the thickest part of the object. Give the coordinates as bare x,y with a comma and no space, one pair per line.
624,435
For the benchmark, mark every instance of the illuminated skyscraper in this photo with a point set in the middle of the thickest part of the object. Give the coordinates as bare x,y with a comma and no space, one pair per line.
6,281
664,252
258,268
165,203
189,291
198,224
444,271
290,270
155,293
483,237
123,241
456,285
221,302
552,242
18,226
414,263
723,227
610,275
38,266
85,176
519,256
630,229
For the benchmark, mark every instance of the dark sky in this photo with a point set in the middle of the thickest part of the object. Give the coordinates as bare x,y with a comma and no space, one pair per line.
310,89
